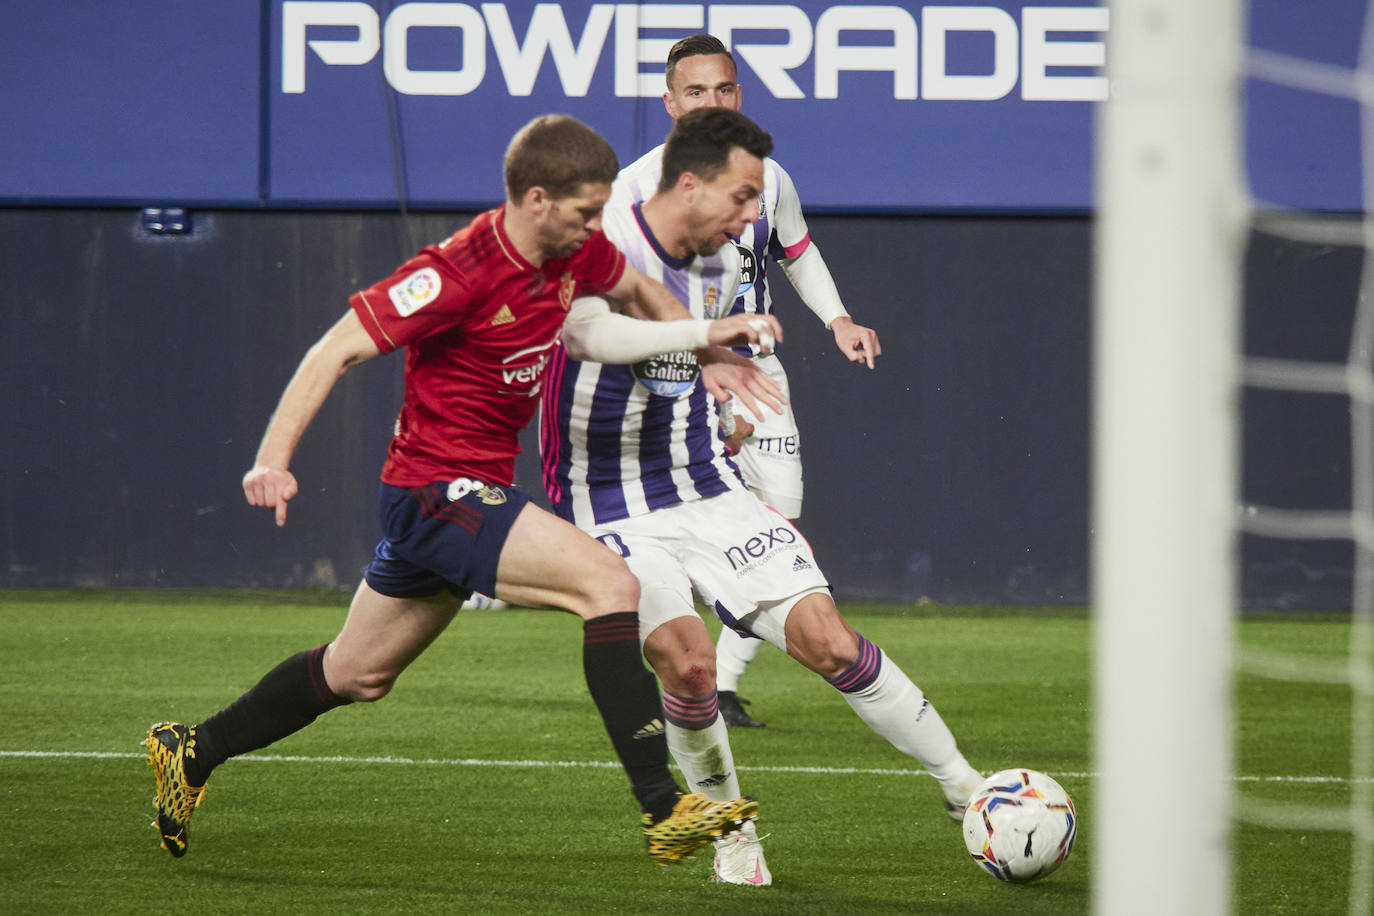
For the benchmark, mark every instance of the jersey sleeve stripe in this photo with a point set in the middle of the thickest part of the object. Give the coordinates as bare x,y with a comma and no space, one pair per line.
791,251
365,312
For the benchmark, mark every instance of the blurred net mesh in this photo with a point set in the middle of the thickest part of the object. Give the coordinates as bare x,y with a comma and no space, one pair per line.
1327,360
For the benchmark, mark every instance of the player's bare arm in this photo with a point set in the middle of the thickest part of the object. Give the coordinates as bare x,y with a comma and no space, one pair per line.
269,483
640,296
858,343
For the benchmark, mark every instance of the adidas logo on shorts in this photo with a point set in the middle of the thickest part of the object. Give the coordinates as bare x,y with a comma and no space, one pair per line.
799,564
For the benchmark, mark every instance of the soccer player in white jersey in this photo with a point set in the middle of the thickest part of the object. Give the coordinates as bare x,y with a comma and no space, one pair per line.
701,73
635,456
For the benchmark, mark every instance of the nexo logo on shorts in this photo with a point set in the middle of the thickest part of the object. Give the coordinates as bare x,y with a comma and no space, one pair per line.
759,545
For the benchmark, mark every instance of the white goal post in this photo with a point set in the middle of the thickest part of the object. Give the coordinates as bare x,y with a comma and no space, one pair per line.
1169,238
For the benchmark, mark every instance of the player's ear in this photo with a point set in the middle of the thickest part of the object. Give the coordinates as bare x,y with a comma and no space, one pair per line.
536,199
668,105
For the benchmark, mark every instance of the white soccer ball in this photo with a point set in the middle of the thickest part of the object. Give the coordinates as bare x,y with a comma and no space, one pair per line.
1020,825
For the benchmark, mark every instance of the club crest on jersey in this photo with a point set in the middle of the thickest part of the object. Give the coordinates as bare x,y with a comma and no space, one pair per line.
712,294
415,291
748,268
669,375
566,287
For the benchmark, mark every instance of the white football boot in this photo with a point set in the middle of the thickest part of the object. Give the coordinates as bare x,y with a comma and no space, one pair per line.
957,795
480,602
739,858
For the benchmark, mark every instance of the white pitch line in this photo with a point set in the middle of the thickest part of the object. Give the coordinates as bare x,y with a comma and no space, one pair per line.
611,765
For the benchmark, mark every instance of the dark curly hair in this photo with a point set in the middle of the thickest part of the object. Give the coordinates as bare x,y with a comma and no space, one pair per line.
702,139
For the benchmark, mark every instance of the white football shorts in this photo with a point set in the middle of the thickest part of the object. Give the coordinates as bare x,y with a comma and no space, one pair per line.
743,559
770,459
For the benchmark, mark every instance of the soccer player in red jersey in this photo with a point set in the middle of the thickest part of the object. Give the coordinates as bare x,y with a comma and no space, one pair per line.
478,316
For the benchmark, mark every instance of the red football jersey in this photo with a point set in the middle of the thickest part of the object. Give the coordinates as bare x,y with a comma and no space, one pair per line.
479,323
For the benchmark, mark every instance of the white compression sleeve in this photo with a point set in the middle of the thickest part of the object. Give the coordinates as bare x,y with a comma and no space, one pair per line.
594,333
812,281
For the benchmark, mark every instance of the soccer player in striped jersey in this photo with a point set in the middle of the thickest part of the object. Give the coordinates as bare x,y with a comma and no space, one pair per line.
701,73
478,316
634,455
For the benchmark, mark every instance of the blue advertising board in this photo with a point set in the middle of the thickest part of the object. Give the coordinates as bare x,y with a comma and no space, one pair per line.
896,107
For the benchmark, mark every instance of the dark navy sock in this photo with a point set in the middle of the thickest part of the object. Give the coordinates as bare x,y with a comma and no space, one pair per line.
286,700
626,694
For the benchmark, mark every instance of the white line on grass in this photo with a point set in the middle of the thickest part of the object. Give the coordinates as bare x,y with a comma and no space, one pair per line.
602,764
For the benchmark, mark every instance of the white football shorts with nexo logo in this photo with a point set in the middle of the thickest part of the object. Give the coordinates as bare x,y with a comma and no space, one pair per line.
743,559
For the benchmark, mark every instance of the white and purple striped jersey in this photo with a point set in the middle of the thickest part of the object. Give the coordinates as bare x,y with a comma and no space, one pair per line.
780,232
620,441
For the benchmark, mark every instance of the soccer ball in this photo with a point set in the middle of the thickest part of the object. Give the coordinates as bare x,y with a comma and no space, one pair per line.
1020,825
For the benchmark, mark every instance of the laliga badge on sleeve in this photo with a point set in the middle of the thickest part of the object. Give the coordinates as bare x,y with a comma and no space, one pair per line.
415,291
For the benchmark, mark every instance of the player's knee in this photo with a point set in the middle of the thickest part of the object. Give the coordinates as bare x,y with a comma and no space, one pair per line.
819,638
699,680
829,653
691,675
366,687
611,589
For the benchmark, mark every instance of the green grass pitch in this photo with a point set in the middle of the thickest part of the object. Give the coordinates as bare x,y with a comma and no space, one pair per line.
484,783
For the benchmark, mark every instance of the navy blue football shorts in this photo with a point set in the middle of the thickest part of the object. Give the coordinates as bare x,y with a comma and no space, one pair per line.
442,536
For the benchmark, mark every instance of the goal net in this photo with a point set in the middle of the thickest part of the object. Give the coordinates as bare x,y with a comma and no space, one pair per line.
1172,369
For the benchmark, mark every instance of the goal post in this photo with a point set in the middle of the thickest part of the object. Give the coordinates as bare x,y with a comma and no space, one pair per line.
1169,237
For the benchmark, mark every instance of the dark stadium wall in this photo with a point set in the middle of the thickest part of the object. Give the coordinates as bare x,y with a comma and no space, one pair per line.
140,371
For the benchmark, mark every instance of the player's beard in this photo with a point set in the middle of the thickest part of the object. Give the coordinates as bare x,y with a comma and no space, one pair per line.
562,248
561,243
710,246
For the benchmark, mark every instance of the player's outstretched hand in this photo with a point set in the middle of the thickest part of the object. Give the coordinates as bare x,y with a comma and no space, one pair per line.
858,343
737,330
725,372
270,487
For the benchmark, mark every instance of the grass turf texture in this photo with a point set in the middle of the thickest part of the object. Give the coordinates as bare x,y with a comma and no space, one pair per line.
451,831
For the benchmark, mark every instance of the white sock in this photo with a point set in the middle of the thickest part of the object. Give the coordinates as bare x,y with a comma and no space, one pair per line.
896,708
733,654
705,758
